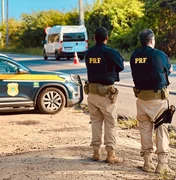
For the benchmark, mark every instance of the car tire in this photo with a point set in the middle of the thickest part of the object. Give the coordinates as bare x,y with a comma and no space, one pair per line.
45,56
68,58
51,101
81,57
57,56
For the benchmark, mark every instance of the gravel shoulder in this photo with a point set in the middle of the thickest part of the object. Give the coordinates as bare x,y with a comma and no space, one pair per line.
42,147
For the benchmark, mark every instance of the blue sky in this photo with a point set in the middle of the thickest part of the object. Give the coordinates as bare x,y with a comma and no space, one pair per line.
17,7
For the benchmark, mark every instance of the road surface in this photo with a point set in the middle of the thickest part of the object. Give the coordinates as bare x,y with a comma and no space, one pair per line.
126,96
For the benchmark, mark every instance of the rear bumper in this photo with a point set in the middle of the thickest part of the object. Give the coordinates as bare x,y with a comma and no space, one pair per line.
71,54
65,54
71,102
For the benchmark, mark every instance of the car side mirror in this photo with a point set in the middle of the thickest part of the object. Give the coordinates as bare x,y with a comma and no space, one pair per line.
21,71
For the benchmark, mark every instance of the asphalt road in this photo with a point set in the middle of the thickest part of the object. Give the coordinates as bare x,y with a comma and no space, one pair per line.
67,66
126,97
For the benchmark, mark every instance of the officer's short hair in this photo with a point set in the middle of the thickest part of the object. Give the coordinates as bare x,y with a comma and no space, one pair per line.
145,36
101,34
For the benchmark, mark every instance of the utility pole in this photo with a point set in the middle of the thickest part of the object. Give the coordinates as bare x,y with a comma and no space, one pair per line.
7,25
2,11
81,13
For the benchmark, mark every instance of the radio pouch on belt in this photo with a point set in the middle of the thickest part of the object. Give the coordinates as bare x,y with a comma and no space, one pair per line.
166,117
113,92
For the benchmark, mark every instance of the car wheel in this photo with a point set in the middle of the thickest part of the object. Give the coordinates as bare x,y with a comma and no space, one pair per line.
45,56
51,101
81,57
68,58
57,56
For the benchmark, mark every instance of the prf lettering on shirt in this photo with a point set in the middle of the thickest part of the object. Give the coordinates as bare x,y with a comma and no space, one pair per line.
94,60
140,60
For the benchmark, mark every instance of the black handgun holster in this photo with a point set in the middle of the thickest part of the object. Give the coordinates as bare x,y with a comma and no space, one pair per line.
165,117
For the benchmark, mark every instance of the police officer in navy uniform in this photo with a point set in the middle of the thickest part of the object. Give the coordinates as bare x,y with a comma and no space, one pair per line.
103,66
150,69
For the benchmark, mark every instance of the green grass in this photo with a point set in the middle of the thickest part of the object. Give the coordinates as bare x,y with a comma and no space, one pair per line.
128,123
31,51
165,176
173,60
126,55
172,135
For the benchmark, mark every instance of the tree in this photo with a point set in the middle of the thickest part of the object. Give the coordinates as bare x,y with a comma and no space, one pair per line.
34,25
160,15
14,33
118,16
124,19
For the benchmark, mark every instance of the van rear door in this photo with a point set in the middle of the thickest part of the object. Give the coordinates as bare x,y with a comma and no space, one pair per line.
74,42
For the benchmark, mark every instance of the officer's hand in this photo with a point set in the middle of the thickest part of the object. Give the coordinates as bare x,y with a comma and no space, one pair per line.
171,68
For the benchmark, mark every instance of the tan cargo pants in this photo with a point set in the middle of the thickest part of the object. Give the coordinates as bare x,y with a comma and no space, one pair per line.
147,112
102,112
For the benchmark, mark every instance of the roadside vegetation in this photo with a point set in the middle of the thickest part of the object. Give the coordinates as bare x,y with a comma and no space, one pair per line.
39,51
125,122
129,123
123,19
31,51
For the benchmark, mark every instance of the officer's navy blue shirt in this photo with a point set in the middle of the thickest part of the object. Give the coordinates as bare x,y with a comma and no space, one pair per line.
103,64
150,68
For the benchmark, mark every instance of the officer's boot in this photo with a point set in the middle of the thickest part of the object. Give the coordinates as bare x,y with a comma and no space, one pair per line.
148,163
96,156
162,166
111,156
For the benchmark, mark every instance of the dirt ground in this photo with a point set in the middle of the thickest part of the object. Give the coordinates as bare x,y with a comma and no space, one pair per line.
57,147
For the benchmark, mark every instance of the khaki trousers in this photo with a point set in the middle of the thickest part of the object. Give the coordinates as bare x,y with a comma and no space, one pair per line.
102,112
147,112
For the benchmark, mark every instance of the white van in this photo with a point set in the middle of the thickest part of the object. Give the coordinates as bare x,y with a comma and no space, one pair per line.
64,41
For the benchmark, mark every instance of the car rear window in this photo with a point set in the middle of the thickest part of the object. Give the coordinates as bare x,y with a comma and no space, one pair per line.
73,37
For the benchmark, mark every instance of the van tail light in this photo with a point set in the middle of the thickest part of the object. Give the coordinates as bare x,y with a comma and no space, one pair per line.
86,44
60,45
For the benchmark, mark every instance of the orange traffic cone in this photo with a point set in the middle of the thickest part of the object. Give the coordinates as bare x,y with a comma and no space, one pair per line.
76,60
